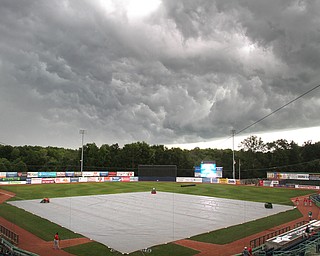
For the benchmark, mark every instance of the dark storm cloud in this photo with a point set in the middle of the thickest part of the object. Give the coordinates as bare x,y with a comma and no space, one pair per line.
191,71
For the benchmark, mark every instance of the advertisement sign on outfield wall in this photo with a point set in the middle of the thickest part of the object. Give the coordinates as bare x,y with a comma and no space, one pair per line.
10,179
32,174
223,181
69,174
206,180
47,174
48,180
87,174
94,179
83,179
126,174
292,176
11,174
314,176
214,180
134,178
36,180
188,179
125,179
232,181
104,174
62,180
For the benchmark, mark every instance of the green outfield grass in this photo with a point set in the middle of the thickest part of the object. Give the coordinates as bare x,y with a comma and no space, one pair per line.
44,229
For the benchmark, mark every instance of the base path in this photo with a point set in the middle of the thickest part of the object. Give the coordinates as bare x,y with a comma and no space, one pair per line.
32,243
236,247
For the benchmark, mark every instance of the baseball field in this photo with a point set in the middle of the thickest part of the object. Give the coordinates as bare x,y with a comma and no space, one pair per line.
125,214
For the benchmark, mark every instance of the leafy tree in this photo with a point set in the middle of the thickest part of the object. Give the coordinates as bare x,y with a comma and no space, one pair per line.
5,165
253,144
19,166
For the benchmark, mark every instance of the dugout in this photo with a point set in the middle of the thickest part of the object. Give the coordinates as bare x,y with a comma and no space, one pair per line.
157,172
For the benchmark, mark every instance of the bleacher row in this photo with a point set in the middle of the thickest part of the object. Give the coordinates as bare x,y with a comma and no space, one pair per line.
9,249
290,242
316,199
294,242
303,247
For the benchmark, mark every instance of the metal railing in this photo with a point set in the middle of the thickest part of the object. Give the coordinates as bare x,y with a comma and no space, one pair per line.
9,234
261,240
14,250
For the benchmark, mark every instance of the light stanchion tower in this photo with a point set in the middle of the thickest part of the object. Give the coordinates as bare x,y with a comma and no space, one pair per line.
82,132
233,132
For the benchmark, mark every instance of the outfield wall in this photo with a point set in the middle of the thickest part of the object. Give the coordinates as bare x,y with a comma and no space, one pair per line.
12,178
7,178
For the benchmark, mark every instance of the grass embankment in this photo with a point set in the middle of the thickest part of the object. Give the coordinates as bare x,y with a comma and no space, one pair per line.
44,229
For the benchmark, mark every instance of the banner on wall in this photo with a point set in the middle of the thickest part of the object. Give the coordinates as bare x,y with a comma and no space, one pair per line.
188,179
314,176
87,174
127,174
94,179
36,180
214,180
11,174
125,179
232,181
32,174
83,179
48,180
223,181
206,180
286,176
47,174
69,174
10,179
62,180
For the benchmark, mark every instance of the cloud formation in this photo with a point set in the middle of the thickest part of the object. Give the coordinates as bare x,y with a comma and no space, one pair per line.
174,72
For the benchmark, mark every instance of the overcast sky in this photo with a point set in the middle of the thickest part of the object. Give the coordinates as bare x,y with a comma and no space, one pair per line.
160,71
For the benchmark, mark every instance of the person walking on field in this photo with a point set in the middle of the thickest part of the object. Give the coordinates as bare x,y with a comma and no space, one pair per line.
56,241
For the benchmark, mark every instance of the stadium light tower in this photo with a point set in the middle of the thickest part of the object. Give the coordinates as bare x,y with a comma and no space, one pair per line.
82,131
233,167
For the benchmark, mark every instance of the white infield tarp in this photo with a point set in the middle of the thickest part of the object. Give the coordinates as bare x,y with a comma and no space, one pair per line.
129,222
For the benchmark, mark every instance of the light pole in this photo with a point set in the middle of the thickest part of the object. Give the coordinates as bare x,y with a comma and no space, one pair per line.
82,131
233,167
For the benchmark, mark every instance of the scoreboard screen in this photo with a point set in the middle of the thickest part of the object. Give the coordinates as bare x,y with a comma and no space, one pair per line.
208,170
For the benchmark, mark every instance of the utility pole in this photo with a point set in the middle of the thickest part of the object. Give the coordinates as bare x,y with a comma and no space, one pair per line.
233,163
82,132
239,168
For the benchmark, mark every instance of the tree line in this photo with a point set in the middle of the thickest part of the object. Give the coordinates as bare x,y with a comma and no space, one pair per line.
253,160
